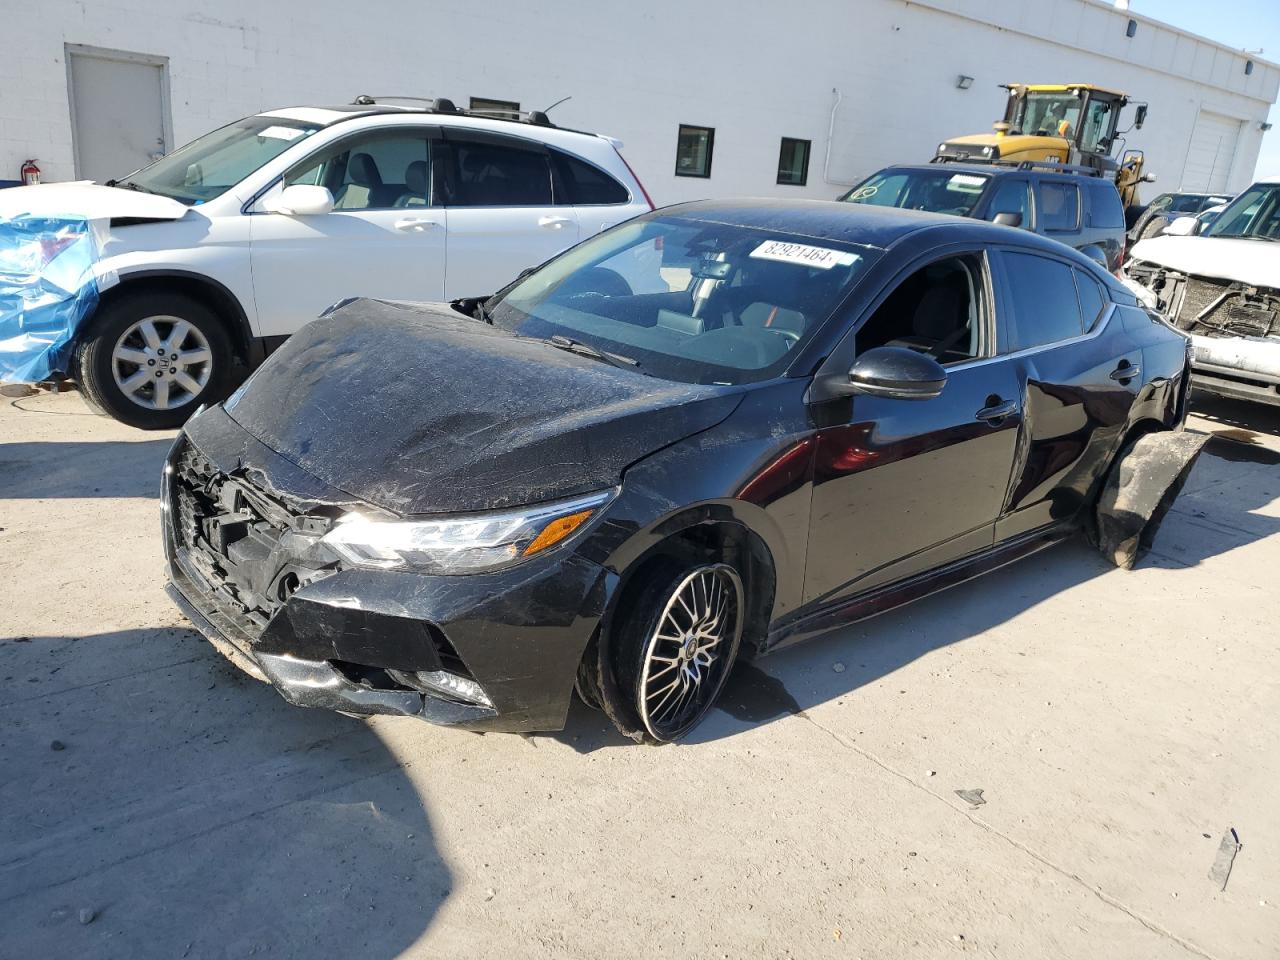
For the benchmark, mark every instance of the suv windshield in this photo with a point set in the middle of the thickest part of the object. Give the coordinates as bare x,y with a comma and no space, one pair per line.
1254,214
208,167
685,299
940,191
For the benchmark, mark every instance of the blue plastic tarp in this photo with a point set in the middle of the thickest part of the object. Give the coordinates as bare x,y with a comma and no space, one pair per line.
48,287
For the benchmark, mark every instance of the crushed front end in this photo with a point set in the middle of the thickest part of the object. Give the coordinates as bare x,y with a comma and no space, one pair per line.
243,532
1234,328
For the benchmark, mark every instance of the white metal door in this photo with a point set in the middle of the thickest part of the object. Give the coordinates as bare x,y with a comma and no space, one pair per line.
1211,153
118,111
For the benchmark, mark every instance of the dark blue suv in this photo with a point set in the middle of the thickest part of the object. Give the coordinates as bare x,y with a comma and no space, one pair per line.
1067,204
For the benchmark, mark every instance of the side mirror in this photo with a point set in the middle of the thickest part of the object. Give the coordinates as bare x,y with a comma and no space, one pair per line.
1009,219
1140,116
1148,178
300,200
897,373
1183,227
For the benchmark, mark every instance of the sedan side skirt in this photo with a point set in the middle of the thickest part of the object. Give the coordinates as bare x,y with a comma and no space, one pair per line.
882,599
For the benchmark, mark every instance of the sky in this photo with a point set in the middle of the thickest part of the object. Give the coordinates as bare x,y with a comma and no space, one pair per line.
1246,24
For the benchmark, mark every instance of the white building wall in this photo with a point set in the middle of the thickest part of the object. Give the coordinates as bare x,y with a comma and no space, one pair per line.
754,70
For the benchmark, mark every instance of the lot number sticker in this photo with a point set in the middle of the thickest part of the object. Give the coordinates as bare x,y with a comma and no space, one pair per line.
820,257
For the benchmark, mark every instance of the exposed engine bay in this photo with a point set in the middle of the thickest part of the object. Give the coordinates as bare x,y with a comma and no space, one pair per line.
1234,327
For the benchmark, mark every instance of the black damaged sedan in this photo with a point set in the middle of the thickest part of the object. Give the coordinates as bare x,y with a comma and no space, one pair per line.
703,434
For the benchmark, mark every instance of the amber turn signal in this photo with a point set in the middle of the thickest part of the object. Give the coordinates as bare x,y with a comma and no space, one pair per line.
557,530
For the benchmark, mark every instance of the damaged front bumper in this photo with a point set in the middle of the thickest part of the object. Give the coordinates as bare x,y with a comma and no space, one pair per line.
1234,328
1245,368
487,651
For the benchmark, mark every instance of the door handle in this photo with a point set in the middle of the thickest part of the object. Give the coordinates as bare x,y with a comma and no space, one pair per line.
1126,371
997,411
416,224
553,223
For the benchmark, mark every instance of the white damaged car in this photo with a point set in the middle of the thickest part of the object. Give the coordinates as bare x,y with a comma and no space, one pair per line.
218,252
1220,282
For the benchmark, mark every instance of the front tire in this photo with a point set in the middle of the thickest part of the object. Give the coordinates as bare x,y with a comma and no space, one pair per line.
150,359
676,651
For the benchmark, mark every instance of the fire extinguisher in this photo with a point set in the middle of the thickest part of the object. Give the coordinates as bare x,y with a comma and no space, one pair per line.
30,173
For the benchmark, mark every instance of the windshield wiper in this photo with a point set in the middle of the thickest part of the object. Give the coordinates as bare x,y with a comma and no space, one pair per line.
128,185
586,350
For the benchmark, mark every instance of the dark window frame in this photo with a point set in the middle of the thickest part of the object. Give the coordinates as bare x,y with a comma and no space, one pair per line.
804,173
711,145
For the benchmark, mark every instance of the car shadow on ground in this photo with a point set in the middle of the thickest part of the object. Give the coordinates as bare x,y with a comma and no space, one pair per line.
1213,515
70,469
196,814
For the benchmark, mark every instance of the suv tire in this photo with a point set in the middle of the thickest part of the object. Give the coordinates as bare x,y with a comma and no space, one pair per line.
149,359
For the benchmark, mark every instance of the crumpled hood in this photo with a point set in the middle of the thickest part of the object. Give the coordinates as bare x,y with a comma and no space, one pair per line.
83,198
1256,262
418,409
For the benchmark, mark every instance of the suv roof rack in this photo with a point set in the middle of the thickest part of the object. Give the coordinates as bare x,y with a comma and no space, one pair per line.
1051,166
1055,166
537,118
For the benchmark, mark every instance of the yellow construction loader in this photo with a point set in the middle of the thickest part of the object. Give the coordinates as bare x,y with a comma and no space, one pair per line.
1072,123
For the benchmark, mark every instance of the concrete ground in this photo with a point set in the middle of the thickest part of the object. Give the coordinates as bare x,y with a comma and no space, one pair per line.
154,803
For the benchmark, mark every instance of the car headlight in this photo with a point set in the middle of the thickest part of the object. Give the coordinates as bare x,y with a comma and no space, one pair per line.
462,544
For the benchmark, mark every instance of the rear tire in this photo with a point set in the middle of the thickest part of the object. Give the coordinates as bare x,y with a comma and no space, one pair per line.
675,650
149,359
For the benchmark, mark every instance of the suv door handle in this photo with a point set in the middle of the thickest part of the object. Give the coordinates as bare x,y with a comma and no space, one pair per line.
997,411
553,223
1126,371
416,224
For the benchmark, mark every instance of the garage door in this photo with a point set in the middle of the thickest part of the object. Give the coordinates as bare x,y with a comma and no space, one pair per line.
1211,152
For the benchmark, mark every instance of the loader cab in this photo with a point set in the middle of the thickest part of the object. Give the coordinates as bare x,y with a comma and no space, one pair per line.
1082,115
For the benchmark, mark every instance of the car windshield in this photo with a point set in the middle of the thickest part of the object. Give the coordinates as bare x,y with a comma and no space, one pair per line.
686,299
208,167
1254,214
1048,114
938,191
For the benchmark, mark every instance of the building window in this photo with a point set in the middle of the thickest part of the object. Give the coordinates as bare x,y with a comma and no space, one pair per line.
793,161
502,109
693,151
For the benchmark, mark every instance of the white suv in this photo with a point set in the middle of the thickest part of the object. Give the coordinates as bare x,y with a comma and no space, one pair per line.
230,244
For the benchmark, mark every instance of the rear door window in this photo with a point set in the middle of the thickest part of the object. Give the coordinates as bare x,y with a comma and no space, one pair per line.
582,184
496,171
1059,206
1042,296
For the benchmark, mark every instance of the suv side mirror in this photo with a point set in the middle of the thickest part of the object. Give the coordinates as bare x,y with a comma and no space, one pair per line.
1008,219
1183,227
300,200
897,373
